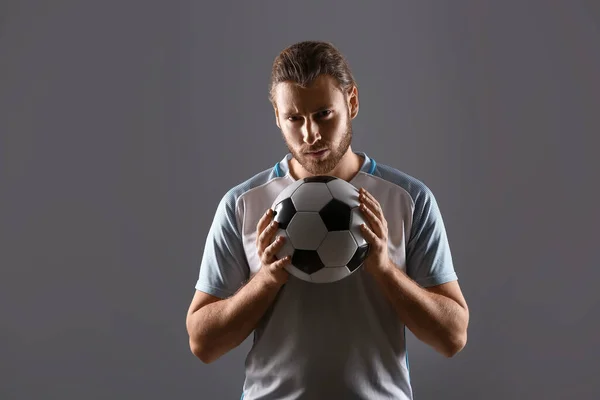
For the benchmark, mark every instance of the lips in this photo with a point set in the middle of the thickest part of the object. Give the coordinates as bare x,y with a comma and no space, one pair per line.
317,154
317,151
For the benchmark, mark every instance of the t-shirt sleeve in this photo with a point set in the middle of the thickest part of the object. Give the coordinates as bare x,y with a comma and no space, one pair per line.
224,267
428,256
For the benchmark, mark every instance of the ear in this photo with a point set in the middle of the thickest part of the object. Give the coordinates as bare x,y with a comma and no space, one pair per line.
353,104
276,116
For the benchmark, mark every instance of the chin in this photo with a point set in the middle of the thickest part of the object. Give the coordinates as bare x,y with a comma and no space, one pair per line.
322,167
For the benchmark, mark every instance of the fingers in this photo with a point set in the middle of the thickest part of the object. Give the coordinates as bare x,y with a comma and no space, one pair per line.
269,253
374,221
279,264
372,210
368,199
266,236
264,220
369,235
265,229
374,241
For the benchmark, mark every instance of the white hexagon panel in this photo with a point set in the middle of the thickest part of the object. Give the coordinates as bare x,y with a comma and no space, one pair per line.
287,191
311,196
344,191
306,230
337,248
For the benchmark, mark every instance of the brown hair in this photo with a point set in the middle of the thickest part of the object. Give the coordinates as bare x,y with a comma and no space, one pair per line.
303,62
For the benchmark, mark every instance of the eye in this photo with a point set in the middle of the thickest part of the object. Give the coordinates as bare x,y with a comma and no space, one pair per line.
324,113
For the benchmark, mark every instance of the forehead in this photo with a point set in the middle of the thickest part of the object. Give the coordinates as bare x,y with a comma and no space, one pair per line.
291,98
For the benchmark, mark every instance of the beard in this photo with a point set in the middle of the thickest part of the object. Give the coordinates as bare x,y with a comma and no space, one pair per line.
325,165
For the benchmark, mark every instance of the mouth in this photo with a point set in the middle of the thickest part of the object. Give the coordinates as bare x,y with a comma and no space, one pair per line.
317,154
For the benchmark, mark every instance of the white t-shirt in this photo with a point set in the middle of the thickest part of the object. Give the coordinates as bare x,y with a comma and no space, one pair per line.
340,340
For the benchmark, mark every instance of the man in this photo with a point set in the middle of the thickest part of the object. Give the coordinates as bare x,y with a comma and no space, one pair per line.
342,340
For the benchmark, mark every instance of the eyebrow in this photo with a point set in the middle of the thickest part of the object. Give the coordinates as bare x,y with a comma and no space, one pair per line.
322,108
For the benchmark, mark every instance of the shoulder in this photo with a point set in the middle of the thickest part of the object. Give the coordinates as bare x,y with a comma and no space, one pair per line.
418,191
249,196
244,187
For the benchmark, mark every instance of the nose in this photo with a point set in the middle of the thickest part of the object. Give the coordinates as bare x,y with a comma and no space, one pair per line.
310,133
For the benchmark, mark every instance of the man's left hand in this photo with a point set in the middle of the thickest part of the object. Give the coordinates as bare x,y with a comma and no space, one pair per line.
375,232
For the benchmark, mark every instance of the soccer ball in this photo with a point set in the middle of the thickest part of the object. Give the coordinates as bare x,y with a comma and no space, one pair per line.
320,219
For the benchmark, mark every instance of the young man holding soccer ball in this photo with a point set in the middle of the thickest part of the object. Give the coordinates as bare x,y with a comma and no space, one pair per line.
344,339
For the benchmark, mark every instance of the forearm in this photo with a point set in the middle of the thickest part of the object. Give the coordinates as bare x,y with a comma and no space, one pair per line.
223,325
434,319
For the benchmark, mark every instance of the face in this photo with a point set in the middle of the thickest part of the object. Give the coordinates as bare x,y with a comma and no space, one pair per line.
316,122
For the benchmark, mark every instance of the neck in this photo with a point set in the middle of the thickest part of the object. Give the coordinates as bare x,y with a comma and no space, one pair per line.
346,169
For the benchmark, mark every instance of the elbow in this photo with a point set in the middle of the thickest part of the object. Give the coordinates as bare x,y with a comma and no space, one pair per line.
202,352
457,340
198,346
455,345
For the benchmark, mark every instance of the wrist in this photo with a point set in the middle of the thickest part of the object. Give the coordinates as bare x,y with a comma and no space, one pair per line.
382,270
267,282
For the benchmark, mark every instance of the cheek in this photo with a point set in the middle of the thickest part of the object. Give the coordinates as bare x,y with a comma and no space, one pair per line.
292,136
330,127
336,128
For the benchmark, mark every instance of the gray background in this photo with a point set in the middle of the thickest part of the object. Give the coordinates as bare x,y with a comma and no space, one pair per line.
123,123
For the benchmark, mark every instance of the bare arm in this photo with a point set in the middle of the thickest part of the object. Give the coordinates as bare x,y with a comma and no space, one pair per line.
221,325
216,326
438,316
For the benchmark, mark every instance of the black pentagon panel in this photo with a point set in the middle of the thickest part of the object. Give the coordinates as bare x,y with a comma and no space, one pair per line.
358,258
285,211
307,261
319,178
336,215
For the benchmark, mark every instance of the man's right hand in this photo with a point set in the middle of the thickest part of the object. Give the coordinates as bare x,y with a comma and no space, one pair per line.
272,270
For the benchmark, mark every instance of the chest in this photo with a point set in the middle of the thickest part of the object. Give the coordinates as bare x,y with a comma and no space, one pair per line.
397,209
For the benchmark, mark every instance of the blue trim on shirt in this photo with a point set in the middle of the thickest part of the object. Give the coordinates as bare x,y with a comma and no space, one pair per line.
406,355
373,165
277,170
